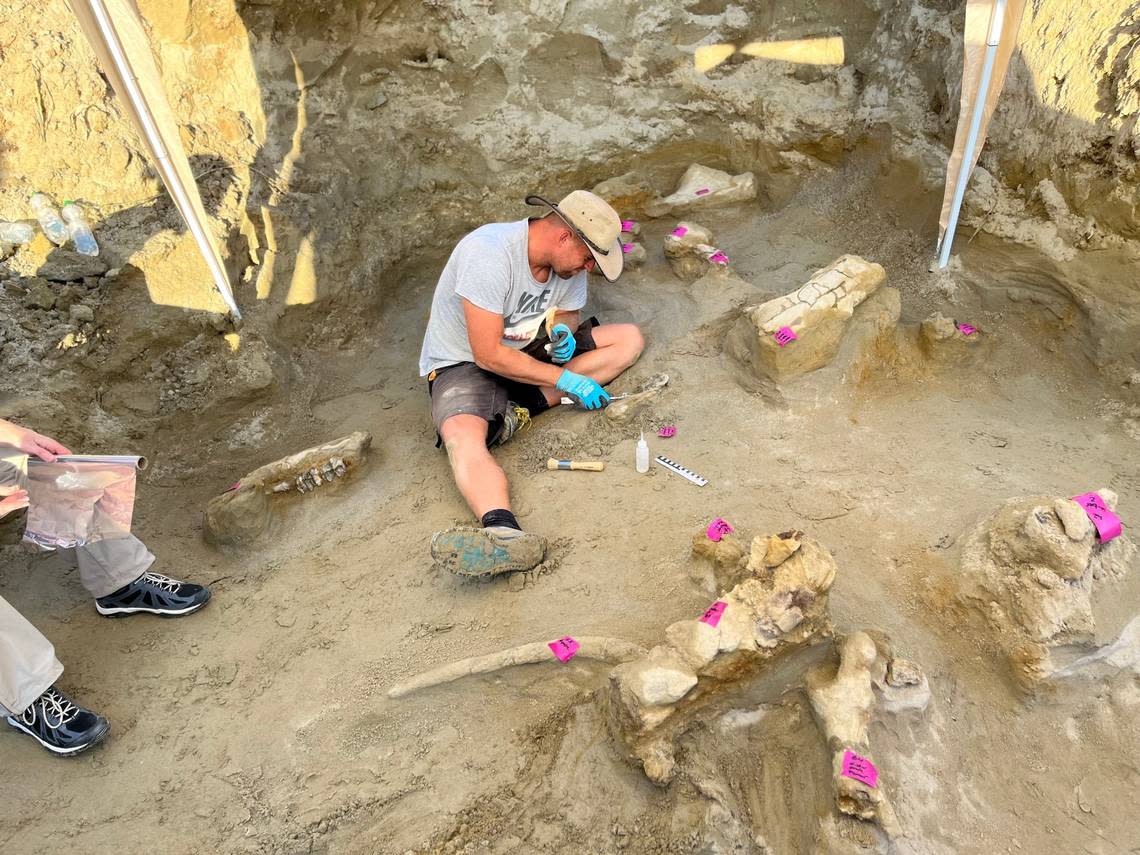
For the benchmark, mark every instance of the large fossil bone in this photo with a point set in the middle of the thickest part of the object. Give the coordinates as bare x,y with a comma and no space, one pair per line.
590,647
244,512
1031,570
844,698
817,313
704,186
771,622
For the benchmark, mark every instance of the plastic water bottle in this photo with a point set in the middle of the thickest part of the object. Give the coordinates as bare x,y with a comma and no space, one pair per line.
52,225
16,232
641,459
79,230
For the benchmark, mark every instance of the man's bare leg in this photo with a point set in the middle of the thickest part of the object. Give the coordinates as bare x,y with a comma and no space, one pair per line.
618,348
481,552
479,478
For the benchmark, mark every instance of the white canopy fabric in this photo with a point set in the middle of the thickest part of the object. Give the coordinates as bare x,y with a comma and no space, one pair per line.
977,106
115,30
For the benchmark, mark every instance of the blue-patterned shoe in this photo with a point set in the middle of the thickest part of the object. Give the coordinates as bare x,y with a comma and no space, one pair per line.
59,724
154,594
486,552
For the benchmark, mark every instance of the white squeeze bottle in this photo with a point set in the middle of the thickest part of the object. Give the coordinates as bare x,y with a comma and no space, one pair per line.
52,225
79,230
641,459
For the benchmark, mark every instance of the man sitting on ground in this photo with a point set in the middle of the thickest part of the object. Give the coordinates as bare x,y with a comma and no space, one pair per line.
504,343
115,571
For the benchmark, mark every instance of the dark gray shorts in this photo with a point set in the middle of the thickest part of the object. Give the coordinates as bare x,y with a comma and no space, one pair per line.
467,388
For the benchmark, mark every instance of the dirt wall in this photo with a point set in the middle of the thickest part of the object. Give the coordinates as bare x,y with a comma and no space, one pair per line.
337,144
354,134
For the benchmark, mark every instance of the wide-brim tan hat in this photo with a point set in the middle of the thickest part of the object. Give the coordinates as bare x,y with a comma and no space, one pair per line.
596,223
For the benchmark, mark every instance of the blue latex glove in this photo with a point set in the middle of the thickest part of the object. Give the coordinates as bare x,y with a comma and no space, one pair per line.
562,343
585,391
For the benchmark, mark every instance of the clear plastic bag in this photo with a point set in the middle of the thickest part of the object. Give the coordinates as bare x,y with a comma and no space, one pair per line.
80,499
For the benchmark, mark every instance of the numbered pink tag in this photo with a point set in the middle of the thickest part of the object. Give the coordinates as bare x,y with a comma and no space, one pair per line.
718,528
666,431
564,648
713,613
784,335
860,768
702,191
718,257
627,247
680,231
627,225
1107,523
967,329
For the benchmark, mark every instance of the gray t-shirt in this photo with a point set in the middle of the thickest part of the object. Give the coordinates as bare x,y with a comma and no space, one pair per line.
489,267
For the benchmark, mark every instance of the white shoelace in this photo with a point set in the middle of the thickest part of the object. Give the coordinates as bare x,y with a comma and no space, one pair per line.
51,703
165,583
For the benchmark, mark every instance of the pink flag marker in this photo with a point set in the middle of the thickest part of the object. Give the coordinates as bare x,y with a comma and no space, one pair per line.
718,528
627,247
680,231
666,431
1107,523
860,768
718,257
713,613
784,335
627,225
564,648
966,329
702,191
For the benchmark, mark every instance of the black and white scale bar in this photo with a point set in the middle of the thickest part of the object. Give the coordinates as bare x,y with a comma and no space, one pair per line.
681,470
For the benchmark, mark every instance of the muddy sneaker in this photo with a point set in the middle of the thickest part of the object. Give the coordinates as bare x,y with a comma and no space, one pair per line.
59,724
514,419
486,552
154,594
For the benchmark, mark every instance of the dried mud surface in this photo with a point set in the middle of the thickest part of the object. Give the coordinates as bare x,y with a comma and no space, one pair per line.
261,724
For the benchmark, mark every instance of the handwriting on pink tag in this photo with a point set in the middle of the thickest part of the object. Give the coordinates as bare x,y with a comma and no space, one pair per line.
860,768
713,613
666,431
702,191
718,528
564,648
784,335
627,247
1107,523
627,225
718,257
680,231
967,329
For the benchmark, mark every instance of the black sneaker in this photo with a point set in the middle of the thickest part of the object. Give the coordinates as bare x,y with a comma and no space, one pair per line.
155,594
59,724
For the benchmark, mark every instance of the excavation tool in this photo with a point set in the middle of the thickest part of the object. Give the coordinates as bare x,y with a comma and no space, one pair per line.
655,383
613,398
576,465
681,470
554,341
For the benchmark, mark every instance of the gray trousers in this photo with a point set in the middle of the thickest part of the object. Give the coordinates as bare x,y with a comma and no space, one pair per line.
27,659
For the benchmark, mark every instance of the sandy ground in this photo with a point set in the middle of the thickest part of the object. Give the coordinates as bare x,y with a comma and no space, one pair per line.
261,725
